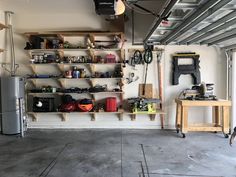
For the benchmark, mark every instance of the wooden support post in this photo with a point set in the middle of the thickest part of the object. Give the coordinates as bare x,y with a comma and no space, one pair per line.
160,86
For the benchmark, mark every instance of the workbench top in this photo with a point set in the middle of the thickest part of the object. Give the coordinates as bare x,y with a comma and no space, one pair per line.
219,102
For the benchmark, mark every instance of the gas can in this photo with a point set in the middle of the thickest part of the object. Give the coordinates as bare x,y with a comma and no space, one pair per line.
111,104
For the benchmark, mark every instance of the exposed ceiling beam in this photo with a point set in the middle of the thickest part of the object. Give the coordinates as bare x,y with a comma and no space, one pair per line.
209,27
199,15
158,21
215,30
217,38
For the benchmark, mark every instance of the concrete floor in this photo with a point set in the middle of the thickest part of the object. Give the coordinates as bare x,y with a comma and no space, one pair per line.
116,153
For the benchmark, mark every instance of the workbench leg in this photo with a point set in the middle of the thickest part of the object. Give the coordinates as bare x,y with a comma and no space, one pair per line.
178,117
216,115
184,119
225,121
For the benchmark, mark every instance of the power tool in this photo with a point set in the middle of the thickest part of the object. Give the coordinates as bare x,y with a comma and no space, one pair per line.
143,105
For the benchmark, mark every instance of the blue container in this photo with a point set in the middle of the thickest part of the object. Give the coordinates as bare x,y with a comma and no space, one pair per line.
76,74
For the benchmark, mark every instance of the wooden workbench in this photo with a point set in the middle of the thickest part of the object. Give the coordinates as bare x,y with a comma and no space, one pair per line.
220,118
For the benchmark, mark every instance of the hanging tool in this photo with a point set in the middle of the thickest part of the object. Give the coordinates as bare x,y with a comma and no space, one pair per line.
147,57
131,78
160,88
136,59
143,105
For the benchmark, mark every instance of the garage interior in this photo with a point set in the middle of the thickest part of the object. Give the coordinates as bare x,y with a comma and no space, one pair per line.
117,88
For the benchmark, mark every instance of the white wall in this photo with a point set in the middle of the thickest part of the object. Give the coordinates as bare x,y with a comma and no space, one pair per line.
31,17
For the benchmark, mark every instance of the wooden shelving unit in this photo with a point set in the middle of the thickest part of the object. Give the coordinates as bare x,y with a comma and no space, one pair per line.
62,82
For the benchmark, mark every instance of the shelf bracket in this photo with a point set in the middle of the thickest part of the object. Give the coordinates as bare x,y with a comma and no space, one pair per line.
60,37
61,68
152,117
91,82
63,117
33,68
61,82
92,68
133,117
34,82
34,117
93,117
120,115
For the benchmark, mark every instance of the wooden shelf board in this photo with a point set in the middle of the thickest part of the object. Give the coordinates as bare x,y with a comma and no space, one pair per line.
41,50
93,93
31,113
62,93
44,113
74,78
105,49
69,33
42,78
158,112
89,78
35,64
61,50
118,112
